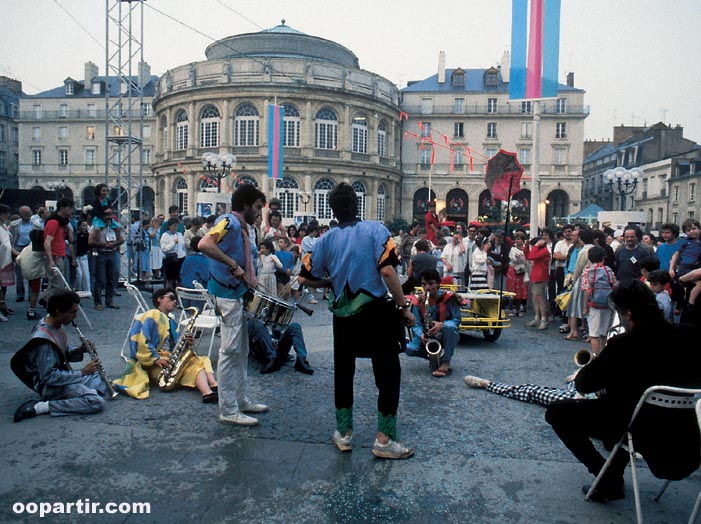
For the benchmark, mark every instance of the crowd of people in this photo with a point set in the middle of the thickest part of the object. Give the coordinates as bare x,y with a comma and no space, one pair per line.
358,266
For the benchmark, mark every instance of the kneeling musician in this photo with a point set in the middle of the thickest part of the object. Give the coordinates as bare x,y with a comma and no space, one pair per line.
152,338
437,335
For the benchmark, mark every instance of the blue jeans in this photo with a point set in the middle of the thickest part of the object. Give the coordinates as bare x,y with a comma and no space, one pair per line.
265,349
448,337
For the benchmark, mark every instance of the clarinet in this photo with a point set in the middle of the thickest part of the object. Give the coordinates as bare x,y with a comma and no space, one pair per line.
92,351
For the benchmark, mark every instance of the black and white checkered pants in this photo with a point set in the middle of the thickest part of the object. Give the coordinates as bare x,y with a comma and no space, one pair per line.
532,393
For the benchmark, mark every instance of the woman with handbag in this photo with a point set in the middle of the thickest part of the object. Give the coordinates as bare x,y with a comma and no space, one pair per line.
173,248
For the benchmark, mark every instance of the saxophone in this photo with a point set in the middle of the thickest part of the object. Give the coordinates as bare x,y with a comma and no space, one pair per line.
180,356
92,351
434,348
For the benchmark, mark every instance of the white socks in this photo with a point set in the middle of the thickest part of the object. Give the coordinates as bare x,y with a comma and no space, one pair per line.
42,408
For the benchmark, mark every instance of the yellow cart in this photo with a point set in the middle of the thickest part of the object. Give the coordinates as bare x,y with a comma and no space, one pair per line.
483,311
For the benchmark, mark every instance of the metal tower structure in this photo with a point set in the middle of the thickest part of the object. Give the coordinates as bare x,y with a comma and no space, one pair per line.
124,112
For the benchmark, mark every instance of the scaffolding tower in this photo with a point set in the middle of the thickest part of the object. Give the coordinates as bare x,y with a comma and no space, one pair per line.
124,119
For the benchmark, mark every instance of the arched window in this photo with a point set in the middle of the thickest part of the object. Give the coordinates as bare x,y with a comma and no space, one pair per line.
246,125
360,135
326,129
322,210
208,184
245,180
292,126
381,203
181,200
382,139
359,188
182,130
287,190
209,127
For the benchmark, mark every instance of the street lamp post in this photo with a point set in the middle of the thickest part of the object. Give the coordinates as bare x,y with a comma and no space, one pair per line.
218,165
624,181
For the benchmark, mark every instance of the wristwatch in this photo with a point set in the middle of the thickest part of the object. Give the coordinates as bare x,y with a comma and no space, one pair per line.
406,305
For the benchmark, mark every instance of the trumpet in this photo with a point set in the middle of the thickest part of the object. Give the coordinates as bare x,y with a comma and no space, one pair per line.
92,351
434,348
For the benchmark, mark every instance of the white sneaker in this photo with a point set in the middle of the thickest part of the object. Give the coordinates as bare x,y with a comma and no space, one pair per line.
343,443
238,419
252,407
3,318
476,382
391,450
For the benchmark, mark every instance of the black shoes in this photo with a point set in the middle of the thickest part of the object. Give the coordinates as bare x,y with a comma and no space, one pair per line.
604,494
303,366
26,410
20,299
271,367
211,398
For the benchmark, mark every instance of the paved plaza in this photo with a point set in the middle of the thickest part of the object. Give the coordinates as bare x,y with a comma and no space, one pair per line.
479,457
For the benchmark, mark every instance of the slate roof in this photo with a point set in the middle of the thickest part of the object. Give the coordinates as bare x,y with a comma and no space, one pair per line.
81,91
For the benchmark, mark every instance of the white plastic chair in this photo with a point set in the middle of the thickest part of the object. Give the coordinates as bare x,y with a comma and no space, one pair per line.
141,308
207,319
667,397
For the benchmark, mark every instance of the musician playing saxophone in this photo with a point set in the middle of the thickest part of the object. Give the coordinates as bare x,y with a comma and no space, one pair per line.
43,364
151,339
438,321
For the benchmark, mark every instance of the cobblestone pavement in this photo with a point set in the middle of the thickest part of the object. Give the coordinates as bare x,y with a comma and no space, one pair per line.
479,457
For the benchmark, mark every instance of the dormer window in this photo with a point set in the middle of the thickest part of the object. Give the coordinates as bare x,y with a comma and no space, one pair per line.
458,78
95,88
70,88
491,77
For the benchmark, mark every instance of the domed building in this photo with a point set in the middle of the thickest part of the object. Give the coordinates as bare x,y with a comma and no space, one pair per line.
340,124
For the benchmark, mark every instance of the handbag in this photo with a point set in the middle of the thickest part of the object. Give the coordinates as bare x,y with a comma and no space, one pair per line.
562,299
171,257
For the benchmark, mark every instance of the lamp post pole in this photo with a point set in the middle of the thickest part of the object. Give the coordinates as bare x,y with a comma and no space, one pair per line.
624,181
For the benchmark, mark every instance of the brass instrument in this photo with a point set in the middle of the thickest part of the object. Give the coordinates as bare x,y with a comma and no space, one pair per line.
92,351
180,356
582,358
434,348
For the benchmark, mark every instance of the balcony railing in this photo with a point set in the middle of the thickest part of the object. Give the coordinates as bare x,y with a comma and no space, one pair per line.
81,114
415,110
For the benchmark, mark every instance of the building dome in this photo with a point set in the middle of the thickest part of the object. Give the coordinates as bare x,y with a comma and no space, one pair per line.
282,41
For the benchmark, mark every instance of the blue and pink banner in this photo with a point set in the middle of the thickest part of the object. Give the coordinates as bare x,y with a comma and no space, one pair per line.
535,49
276,116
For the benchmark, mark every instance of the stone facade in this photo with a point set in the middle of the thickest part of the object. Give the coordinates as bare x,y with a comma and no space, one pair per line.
10,93
341,124
471,109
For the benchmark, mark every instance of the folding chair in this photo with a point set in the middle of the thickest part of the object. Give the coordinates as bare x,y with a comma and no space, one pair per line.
207,319
666,397
141,307
65,283
697,506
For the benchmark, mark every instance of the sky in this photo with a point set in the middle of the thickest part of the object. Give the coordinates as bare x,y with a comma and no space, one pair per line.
637,60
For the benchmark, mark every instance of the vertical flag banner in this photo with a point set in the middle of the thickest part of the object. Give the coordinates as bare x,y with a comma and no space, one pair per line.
535,48
276,116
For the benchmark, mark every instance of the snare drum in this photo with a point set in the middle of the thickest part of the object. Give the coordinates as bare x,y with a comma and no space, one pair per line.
268,308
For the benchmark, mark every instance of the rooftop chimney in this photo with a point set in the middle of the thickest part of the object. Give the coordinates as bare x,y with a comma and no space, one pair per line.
144,74
441,67
505,67
570,79
91,71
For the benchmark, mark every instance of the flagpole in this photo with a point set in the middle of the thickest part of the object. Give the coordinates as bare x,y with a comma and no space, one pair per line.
535,171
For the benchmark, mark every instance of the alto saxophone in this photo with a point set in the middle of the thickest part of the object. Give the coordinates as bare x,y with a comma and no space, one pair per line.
92,351
434,348
182,353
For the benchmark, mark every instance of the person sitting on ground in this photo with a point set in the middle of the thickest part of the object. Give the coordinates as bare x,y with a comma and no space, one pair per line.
43,364
151,339
629,364
439,320
273,349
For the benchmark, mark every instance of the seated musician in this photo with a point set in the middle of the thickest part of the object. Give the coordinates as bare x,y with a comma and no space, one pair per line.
441,319
151,339
650,352
43,364
273,348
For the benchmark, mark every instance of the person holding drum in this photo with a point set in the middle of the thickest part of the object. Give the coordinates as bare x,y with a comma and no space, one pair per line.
229,248
360,257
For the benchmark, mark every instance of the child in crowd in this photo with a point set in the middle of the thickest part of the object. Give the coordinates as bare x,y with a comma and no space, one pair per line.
267,262
598,280
657,280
